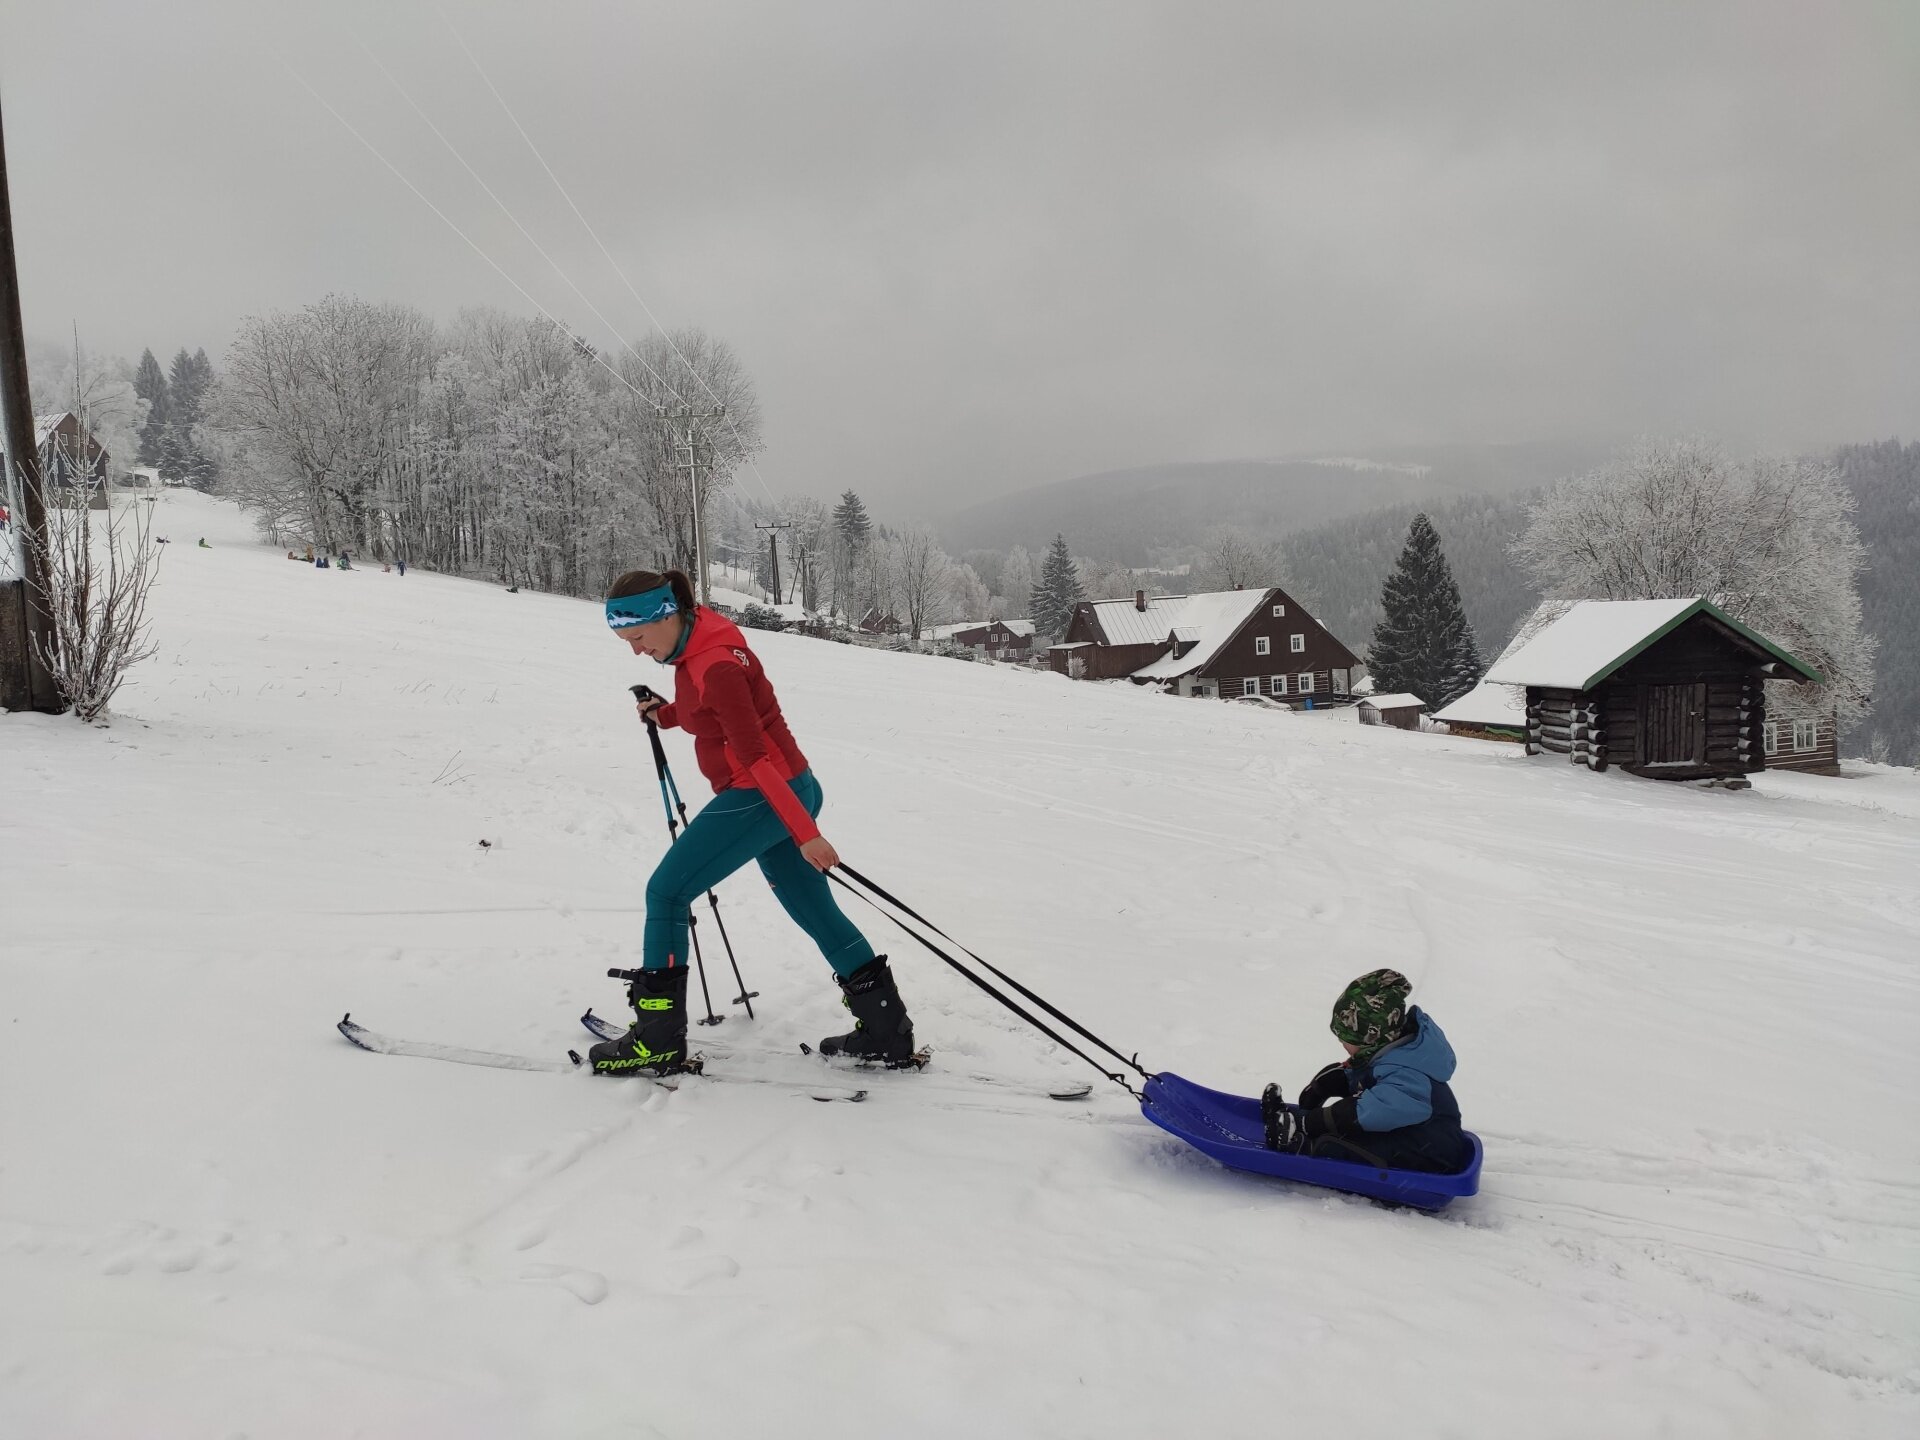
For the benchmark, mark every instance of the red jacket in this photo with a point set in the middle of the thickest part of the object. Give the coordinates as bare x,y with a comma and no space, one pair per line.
722,699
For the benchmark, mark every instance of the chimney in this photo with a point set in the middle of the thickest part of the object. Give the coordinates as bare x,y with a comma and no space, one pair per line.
1139,599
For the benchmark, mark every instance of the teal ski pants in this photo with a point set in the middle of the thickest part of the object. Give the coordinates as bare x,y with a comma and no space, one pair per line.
736,827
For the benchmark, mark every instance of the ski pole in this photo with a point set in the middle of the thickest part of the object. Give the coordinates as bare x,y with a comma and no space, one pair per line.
664,771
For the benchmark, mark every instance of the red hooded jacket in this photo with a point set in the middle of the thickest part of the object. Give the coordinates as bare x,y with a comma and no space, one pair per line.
721,698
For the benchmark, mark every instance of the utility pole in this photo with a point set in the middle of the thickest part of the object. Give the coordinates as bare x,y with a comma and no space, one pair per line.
773,550
692,418
26,625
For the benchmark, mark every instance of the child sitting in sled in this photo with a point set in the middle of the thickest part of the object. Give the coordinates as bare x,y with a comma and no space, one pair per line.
1387,1104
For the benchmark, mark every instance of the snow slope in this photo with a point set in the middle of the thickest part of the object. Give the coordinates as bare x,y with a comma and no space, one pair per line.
1684,1020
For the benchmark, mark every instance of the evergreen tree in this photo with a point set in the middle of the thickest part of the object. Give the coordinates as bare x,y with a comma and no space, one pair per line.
1058,592
1423,644
150,384
852,540
180,453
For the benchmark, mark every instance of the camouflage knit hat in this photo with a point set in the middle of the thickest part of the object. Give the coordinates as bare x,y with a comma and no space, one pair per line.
1372,1011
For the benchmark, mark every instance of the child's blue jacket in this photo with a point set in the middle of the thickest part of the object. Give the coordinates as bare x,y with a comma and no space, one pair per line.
1396,1088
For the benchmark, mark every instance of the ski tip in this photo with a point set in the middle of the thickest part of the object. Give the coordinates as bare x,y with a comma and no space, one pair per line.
574,1055
1079,1091
827,1097
805,1049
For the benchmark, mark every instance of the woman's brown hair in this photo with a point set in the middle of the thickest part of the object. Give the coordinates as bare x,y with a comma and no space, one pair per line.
638,582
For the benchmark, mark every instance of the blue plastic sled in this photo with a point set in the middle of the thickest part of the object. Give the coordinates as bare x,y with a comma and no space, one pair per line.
1228,1128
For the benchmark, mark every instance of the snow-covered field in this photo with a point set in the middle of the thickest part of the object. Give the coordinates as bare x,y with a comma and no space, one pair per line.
1685,1021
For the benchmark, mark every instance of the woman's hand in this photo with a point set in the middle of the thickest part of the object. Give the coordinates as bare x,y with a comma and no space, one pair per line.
647,707
820,853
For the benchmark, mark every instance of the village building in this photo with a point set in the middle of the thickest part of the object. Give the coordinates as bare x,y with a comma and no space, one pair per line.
71,460
879,622
1401,711
998,639
1668,689
1224,644
1489,711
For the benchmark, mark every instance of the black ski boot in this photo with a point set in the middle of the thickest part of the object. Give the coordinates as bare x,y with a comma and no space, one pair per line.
882,1030
657,1043
1282,1126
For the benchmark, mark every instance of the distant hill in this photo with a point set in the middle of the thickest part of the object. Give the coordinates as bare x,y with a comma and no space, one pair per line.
1132,516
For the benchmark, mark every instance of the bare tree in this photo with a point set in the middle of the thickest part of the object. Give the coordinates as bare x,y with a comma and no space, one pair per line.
97,579
1771,541
923,578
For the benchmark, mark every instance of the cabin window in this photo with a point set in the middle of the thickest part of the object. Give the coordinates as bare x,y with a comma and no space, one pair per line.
1279,684
1262,645
1250,686
1299,644
1803,738
1279,612
1306,682
1770,736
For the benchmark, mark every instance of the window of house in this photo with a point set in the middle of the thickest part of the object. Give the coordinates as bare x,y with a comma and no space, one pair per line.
1250,685
1306,682
1279,612
1299,644
1279,684
1803,738
1262,645
1770,736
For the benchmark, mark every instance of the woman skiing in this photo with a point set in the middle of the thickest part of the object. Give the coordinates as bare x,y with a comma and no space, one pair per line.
766,798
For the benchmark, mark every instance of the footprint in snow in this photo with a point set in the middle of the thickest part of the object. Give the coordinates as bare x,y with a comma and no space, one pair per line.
589,1287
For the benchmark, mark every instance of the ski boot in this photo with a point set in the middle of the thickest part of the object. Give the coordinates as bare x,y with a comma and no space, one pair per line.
1281,1126
657,1043
882,1030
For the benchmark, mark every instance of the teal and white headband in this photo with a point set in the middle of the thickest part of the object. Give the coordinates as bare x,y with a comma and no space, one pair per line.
629,610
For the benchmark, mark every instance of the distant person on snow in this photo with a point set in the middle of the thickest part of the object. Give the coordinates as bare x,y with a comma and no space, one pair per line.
403,566
321,564
203,543
346,561
766,800
1388,1103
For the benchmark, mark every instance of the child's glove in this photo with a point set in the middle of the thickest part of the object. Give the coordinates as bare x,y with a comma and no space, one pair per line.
1334,1082
1341,1118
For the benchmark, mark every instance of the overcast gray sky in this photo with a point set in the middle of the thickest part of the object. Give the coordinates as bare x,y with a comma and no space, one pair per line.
969,247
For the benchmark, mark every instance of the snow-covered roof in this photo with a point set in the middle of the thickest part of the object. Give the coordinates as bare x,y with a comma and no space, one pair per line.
1396,701
1075,645
1488,703
1596,637
45,425
947,632
1213,619
1124,624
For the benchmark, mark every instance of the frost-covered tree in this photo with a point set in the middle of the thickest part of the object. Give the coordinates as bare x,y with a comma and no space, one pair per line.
1770,540
1015,588
1423,644
1058,592
922,579
150,384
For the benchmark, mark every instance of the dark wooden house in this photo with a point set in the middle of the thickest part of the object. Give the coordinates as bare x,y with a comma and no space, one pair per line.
1669,689
1224,644
1401,711
1001,639
72,462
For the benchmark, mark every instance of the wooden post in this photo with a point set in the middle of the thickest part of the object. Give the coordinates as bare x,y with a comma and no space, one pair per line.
24,681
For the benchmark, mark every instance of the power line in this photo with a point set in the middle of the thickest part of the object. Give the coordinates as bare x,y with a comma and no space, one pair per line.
568,197
612,329
451,225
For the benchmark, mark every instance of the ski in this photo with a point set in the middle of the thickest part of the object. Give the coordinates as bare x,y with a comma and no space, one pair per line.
381,1044
1064,1090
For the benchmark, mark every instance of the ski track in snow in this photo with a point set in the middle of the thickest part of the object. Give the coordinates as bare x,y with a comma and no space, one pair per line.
1682,1019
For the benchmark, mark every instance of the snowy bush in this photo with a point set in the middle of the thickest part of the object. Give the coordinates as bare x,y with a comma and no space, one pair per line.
97,579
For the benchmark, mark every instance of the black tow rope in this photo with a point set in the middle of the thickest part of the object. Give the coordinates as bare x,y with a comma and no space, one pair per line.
1026,1015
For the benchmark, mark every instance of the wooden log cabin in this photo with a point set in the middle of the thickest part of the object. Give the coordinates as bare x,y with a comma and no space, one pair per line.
1668,689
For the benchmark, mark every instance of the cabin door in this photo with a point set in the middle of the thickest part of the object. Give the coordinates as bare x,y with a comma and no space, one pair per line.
1675,725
